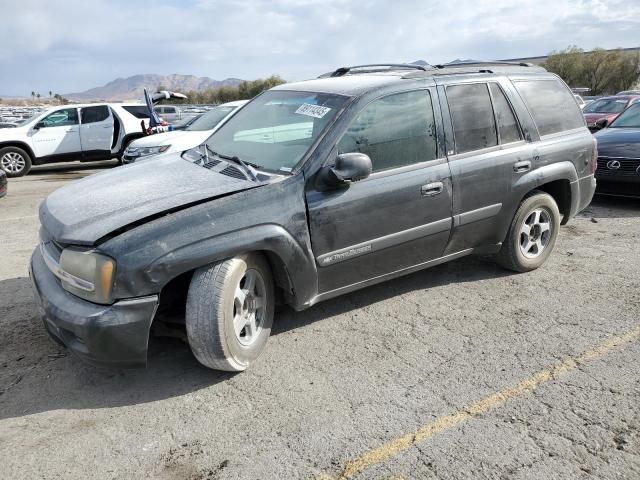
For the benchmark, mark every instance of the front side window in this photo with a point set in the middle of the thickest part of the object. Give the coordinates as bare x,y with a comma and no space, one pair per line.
61,118
474,127
551,104
394,131
275,130
94,114
508,128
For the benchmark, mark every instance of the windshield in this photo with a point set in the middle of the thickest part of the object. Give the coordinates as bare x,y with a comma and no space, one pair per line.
630,118
606,105
277,128
211,119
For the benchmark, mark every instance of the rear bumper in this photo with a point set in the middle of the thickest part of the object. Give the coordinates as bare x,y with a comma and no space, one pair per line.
582,192
107,335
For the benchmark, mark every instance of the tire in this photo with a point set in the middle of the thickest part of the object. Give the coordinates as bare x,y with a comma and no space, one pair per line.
15,161
538,215
219,328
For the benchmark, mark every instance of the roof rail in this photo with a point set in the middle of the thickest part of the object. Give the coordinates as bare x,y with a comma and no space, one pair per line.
374,67
484,63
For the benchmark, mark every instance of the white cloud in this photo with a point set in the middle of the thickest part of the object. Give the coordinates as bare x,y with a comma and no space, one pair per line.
73,45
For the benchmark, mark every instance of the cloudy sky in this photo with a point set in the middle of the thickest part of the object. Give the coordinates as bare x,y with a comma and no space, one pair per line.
72,45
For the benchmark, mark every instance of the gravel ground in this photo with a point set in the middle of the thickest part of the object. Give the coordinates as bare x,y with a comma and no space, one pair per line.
460,371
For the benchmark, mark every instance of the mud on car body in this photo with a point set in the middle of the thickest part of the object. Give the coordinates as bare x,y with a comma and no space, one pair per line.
312,190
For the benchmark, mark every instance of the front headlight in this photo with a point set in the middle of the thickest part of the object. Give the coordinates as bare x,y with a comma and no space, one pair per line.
146,151
87,274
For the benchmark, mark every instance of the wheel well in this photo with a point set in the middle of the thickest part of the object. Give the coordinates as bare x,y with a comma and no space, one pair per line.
21,145
173,296
129,138
560,190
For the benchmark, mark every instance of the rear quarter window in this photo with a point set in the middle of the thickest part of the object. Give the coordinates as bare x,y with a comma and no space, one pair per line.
138,111
551,104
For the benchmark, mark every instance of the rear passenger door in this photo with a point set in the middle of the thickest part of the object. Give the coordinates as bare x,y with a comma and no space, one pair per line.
96,131
488,147
398,217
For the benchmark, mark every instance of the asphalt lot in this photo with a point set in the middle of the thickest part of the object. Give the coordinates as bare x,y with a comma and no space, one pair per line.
461,371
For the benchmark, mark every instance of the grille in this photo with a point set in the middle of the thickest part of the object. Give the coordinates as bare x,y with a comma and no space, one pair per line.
628,166
233,172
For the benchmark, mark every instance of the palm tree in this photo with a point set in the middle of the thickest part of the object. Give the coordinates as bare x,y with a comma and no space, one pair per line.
38,95
33,95
50,93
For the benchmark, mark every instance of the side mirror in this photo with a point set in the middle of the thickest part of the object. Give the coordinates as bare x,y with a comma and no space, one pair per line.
38,126
351,167
602,123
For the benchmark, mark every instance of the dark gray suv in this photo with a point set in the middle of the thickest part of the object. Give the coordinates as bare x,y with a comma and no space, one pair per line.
312,190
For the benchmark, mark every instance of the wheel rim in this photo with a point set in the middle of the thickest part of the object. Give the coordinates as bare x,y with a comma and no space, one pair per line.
535,233
249,307
12,162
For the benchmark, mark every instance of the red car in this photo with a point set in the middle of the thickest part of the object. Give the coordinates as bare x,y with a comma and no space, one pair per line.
607,108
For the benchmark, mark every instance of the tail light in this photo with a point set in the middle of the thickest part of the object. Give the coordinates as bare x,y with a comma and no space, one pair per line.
594,156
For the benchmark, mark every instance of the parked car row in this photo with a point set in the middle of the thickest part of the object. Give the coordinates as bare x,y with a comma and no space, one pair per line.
604,110
309,191
190,137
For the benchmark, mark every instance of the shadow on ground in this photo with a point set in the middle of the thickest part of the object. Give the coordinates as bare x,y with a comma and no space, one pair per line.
36,375
605,206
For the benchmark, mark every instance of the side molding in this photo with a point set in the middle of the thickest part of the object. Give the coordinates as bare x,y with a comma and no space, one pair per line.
381,243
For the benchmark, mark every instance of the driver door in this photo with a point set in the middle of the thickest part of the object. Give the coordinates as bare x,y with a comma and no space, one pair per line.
397,218
57,134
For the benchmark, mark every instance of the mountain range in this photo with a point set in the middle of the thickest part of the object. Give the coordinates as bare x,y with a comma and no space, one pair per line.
131,88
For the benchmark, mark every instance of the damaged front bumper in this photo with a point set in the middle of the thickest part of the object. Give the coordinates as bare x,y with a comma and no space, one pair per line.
108,335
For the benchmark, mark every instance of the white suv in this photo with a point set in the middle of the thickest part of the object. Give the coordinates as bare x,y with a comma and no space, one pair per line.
98,131
180,140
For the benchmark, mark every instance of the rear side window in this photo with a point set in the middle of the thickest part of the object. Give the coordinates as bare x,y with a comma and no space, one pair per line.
551,104
138,111
474,127
394,131
94,114
508,129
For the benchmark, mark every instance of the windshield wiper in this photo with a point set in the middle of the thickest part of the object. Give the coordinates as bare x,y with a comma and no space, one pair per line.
248,167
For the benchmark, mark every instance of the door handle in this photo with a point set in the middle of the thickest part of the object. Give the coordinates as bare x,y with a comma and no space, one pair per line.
431,189
71,130
520,167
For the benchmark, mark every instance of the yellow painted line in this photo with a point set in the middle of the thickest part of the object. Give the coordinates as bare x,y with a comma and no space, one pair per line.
399,444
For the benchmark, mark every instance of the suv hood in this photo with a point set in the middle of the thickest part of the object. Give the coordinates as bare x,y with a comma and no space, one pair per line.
179,139
84,211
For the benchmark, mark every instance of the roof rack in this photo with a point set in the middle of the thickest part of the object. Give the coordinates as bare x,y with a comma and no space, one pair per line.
374,67
484,63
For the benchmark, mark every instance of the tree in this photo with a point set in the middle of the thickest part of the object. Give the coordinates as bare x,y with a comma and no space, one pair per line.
38,95
33,95
50,93
245,90
602,71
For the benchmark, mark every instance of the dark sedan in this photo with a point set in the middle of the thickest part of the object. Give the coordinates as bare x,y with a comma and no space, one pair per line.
607,108
3,183
618,170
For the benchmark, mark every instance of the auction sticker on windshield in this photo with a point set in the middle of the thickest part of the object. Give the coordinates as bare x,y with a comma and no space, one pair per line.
315,111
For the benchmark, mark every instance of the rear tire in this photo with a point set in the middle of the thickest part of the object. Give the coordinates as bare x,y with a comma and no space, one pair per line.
15,161
532,234
229,312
